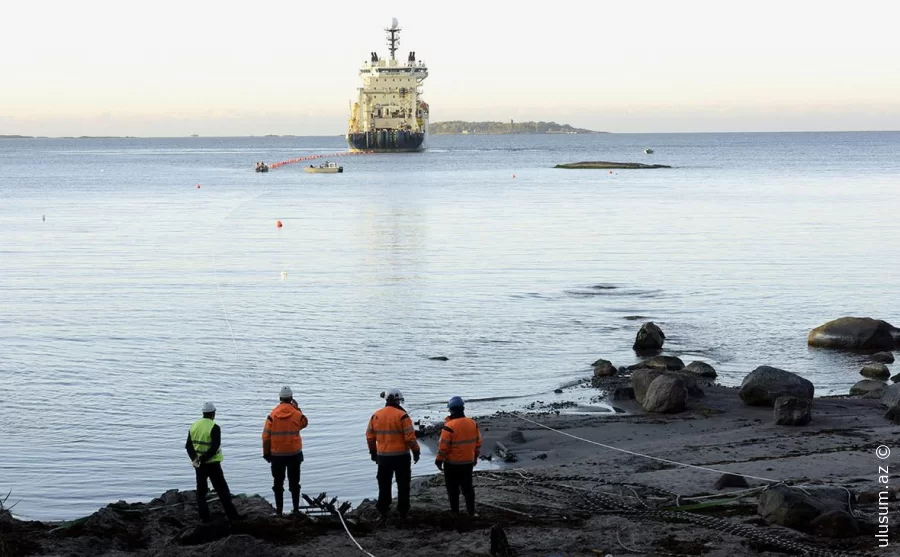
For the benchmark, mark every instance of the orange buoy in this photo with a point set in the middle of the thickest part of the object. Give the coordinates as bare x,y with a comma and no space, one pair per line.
198,186
278,224
514,175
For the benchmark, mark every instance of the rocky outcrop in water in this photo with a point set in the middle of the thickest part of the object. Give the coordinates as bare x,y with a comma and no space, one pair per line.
875,371
649,338
855,333
868,388
701,369
883,357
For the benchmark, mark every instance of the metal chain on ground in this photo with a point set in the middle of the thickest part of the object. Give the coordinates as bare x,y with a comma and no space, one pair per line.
602,503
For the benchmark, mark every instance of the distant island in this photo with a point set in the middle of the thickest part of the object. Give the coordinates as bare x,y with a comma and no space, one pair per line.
486,128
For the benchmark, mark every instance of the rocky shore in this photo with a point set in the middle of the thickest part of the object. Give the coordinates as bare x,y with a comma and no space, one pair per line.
683,466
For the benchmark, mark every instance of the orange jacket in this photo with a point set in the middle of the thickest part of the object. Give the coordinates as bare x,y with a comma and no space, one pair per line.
460,441
281,434
390,432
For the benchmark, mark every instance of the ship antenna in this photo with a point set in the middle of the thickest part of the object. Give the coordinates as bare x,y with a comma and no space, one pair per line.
393,36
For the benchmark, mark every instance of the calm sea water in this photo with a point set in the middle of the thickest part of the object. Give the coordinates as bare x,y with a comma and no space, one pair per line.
128,296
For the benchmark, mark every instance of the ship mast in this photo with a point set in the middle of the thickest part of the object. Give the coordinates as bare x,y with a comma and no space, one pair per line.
393,40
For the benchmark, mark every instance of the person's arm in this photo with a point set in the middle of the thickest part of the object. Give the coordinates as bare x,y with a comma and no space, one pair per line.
189,447
215,443
410,435
370,438
444,446
304,421
267,437
477,443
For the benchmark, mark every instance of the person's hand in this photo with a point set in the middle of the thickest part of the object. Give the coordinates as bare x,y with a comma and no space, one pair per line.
196,462
415,457
439,464
374,456
267,457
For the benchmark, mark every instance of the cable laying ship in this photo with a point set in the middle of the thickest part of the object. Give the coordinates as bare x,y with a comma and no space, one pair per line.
389,116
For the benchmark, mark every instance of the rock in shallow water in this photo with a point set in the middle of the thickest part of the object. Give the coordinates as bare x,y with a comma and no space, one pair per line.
855,333
883,357
868,388
701,369
875,371
649,338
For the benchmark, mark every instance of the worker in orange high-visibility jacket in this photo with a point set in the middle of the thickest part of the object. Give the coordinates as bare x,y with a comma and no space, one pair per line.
391,438
283,447
457,455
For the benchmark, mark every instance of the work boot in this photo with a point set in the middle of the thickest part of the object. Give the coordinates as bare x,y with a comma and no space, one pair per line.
295,499
279,503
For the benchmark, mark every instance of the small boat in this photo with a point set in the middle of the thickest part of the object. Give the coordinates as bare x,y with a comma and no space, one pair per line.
327,168
648,151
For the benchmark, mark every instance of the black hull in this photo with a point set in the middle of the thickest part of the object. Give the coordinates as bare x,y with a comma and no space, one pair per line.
387,141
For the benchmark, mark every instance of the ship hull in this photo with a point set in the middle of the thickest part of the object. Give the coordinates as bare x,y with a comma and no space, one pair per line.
387,141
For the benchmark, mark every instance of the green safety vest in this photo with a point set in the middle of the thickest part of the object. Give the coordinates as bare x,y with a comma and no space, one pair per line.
201,437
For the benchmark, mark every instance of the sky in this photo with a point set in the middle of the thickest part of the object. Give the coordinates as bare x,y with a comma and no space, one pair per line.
174,68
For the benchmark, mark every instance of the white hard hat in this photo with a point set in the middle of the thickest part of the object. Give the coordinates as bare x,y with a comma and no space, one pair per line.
394,394
286,392
208,407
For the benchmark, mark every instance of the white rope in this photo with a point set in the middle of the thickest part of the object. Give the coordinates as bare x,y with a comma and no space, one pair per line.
667,461
341,516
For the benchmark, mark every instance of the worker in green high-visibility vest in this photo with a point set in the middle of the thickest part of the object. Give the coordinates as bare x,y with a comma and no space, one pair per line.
204,447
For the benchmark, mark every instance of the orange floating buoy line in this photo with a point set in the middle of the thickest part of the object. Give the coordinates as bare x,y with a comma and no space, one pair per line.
278,224
313,157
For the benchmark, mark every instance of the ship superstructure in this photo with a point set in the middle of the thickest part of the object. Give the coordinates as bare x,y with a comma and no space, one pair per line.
389,116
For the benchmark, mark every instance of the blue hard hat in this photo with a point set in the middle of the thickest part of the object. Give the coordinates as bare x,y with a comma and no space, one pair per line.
456,402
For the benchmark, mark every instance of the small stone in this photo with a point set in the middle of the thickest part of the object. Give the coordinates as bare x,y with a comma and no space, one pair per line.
731,480
439,358
883,357
604,368
558,391
701,369
835,524
790,410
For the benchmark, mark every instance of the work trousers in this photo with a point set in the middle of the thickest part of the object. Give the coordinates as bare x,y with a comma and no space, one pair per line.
388,467
291,465
212,471
458,477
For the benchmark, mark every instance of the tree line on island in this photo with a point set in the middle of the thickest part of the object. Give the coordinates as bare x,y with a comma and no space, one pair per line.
463,127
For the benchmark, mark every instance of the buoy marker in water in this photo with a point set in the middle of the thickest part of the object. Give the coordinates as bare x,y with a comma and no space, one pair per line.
198,186
278,224
514,175
283,275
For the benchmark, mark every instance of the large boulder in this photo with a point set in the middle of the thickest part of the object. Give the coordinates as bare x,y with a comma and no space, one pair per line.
701,369
883,357
666,394
875,371
641,379
765,384
796,508
649,338
855,333
868,388
790,410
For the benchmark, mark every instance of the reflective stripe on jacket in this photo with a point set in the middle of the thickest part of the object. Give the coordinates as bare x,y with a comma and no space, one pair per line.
390,432
281,433
201,437
460,441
